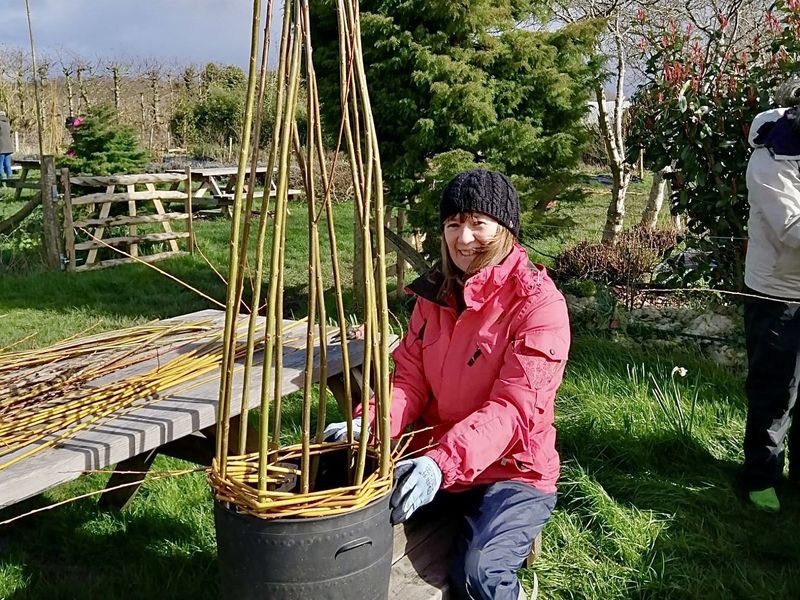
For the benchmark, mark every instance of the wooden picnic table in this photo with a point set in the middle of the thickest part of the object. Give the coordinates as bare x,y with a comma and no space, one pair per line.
24,166
217,185
180,423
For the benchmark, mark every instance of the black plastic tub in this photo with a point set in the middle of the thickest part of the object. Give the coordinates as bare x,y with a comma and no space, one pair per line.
343,557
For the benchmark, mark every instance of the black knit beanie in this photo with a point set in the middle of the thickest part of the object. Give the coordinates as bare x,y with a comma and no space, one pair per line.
482,191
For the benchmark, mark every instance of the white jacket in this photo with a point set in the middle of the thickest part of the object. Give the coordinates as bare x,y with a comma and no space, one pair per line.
773,182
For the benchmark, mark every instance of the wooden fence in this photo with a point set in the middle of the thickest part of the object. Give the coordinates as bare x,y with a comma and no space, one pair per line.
406,247
122,189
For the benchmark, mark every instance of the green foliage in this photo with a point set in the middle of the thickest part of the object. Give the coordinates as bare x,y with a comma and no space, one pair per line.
455,84
101,145
226,76
212,118
217,115
697,111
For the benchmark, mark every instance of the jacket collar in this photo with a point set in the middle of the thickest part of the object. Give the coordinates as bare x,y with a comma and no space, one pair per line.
482,286
428,284
778,133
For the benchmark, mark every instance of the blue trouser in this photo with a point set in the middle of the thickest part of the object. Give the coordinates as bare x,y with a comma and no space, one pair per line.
772,330
5,166
500,523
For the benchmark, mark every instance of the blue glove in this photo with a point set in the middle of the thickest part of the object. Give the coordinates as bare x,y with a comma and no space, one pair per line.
417,481
337,432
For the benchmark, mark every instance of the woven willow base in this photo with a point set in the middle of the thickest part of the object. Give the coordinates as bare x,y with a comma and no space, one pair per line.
240,485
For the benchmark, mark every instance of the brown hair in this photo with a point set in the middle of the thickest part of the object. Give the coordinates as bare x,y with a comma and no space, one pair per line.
490,254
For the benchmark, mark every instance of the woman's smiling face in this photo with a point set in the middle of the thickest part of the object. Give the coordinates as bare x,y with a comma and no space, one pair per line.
466,235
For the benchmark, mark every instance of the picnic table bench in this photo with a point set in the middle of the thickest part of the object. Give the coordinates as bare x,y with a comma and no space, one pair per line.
24,167
217,185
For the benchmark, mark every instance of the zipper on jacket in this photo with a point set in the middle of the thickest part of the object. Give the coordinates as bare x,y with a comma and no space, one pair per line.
475,356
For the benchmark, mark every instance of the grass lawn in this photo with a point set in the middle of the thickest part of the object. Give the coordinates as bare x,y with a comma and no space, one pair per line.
648,506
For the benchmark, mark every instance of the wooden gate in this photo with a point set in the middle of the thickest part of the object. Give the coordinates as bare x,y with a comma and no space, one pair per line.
144,205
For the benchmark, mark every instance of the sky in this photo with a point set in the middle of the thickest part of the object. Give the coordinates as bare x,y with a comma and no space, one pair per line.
179,31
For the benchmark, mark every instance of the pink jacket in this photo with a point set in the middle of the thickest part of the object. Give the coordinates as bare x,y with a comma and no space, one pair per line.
486,379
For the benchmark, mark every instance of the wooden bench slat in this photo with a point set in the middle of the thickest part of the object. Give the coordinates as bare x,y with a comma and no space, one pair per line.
101,198
421,569
104,181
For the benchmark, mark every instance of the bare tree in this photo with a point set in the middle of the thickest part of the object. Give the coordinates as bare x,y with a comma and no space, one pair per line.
5,77
68,70
618,15
117,70
83,67
154,74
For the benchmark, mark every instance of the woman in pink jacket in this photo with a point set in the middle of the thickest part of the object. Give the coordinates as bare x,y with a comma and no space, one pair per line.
477,372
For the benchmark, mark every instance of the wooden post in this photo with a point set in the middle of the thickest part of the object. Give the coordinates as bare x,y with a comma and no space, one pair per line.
133,230
188,208
52,233
641,163
401,263
69,231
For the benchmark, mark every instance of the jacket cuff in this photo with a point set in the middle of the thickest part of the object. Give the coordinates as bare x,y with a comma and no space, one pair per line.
446,465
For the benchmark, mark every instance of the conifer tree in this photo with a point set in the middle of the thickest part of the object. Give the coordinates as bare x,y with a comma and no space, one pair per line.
101,145
455,84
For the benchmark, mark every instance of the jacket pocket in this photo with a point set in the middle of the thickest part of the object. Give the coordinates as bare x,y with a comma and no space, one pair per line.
541,355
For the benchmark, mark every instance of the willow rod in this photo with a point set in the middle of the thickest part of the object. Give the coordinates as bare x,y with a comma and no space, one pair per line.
256,279
269,332
327,180
382,303
36,84
234,292
290,31
250,482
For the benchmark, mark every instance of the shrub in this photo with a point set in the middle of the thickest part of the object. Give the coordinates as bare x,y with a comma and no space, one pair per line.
626,262
695,114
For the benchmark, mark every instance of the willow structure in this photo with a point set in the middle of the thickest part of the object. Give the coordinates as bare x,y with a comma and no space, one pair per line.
279,481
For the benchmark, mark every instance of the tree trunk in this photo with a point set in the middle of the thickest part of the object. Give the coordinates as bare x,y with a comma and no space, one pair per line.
70,93
655,201
117,91
615,217
144,112
82,88
20,89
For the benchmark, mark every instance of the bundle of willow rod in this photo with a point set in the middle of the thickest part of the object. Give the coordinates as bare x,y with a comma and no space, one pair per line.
250,482
81,347
53,393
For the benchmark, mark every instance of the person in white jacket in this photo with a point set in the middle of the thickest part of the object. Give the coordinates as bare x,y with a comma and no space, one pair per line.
772,319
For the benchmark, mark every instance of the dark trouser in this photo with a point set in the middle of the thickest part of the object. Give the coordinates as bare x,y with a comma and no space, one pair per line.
5,166
501,521
772,330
